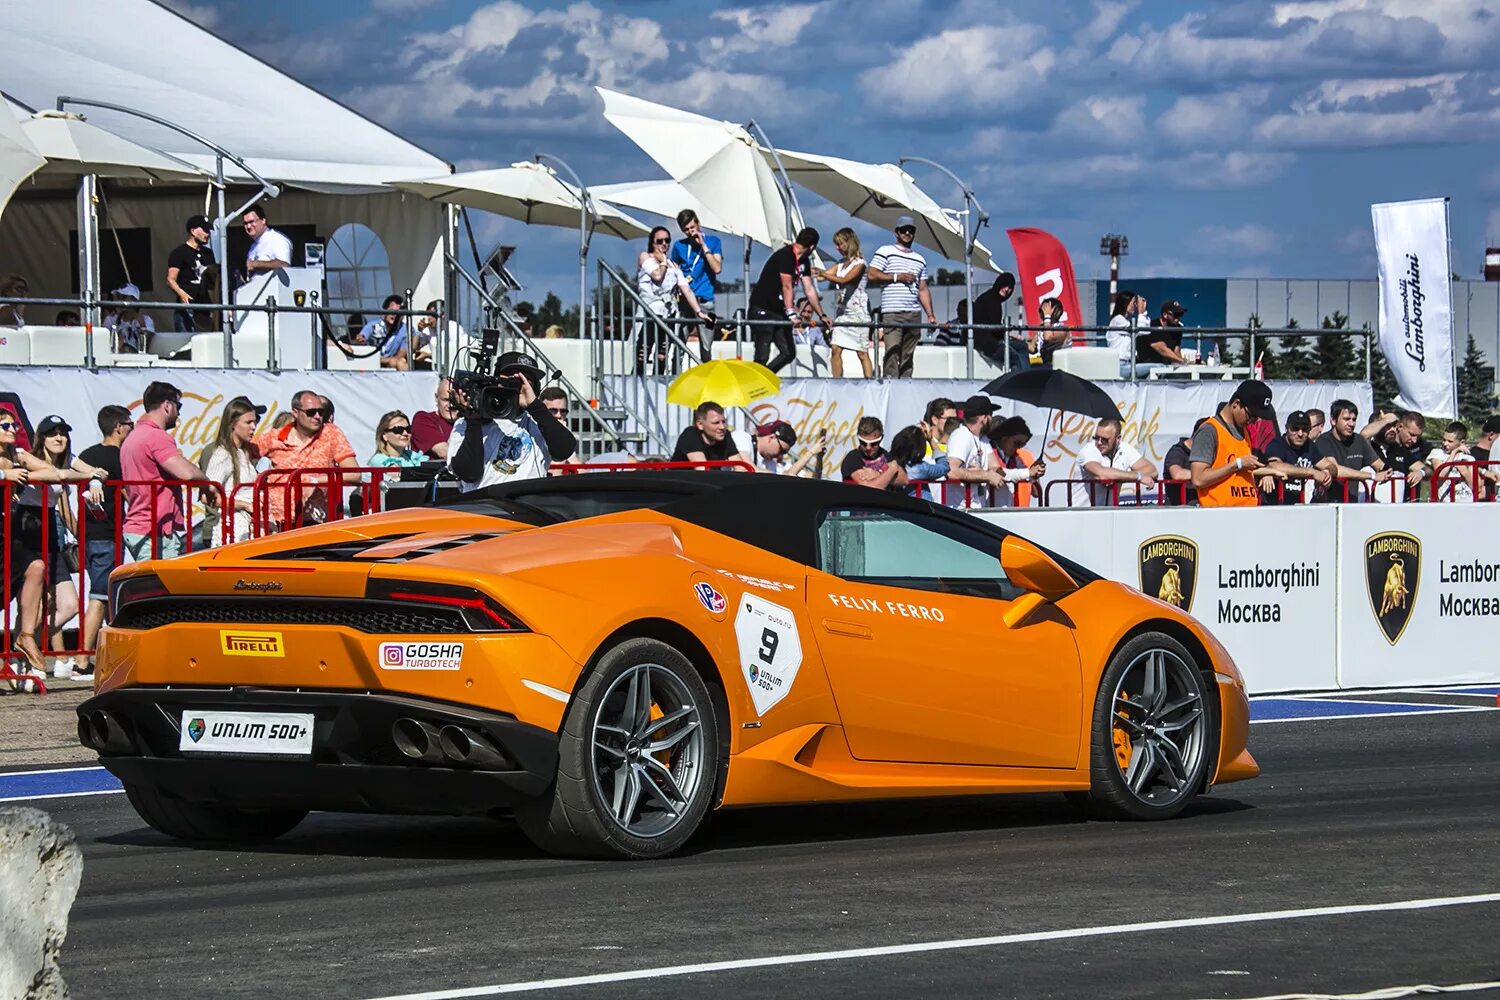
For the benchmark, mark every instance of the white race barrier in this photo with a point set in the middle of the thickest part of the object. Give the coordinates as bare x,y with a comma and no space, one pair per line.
1296,594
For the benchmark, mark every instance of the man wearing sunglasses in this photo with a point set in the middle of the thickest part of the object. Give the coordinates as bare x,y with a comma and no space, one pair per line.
149,455
555,399
1108,458
308,442
869,464
902,274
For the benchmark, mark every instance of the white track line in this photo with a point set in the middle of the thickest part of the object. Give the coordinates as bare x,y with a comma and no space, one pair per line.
806,958
1371,715
62,795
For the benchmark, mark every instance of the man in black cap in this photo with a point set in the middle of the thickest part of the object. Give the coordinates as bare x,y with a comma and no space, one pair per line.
1223,466
1162,343
1293,455
188,275
771,445
487,452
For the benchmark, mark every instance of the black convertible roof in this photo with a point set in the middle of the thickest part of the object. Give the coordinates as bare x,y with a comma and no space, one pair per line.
775,513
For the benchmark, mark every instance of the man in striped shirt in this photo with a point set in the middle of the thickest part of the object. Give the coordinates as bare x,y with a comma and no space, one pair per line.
902,272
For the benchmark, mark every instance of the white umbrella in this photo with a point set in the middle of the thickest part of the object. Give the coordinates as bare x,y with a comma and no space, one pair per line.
73,146
665,198
717,161
880,193
529,192
19,158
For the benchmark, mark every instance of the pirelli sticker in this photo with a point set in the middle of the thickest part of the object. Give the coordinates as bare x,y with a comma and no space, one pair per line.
243,642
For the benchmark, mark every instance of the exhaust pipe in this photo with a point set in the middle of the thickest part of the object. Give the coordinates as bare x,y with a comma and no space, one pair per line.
417,740
103,733
464,746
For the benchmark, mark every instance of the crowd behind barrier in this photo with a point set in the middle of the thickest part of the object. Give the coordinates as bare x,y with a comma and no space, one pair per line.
958,454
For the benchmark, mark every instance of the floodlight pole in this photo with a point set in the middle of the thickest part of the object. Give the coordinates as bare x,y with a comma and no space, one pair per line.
585,231
973,213
267,190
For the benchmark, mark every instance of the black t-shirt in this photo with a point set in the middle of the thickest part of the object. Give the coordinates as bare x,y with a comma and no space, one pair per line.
691,439
192,266
1169,335
1486,488
106,457
766,294
856,460
1178,490
1401,457
1305,457
988,310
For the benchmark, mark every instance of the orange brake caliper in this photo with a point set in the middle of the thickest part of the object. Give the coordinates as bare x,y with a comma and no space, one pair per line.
1122,739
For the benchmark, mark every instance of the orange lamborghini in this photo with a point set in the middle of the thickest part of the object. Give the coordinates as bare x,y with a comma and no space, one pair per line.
611,656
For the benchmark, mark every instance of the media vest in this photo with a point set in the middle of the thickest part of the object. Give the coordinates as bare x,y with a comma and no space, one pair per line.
1239,489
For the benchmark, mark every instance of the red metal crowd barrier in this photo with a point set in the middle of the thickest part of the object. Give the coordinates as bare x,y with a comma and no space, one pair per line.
1451,480
299,490
574,468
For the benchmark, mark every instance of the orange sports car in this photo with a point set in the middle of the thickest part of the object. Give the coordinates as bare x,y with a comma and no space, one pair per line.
610,656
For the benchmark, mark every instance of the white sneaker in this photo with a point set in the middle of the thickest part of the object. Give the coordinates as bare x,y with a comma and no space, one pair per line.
30,681
63,667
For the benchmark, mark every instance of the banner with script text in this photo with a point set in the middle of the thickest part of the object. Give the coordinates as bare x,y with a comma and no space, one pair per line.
1416,313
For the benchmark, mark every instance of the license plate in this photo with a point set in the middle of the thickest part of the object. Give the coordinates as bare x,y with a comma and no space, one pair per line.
279,734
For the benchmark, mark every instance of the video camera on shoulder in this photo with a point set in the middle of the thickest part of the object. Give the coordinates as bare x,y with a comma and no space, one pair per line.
491,389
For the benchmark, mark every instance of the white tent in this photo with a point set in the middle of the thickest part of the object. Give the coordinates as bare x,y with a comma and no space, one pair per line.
139,54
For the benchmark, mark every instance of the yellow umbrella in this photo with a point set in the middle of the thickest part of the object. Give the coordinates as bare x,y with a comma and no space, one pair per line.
729,382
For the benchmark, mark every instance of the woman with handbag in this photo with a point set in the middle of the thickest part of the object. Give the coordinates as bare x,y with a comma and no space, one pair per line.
49,462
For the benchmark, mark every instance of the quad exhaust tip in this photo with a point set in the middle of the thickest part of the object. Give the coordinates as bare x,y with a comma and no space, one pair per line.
417,740
465,746
102,732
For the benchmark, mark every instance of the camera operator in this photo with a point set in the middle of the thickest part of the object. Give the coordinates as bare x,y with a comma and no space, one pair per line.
484,452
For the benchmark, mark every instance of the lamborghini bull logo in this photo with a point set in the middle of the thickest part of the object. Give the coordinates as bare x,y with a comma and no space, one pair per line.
1393,567
1169,569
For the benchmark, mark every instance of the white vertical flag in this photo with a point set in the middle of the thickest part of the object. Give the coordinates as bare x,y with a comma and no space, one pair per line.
1416,308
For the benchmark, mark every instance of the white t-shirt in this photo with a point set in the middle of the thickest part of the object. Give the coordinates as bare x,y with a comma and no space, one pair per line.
898,296
971,453
513,449
271,245
1454,485
1124,459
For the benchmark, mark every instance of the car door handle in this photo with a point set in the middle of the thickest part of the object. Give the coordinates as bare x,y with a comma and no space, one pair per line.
852,629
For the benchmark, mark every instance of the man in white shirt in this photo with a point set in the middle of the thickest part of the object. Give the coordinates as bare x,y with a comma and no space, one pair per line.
1109,459
971,466
902,273
269,250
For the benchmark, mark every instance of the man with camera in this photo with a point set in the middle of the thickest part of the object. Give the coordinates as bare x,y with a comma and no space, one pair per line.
504,432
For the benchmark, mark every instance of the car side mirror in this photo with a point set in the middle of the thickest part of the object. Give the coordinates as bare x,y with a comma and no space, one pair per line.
1031,569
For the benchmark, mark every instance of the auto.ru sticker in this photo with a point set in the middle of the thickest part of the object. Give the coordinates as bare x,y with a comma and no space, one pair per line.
421,655
770,650
710,598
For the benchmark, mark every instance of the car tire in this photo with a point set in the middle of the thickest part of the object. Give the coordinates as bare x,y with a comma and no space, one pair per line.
1153,735
206,822
614,796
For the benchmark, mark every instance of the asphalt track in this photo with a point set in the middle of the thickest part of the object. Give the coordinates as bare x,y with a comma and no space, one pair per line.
1000,897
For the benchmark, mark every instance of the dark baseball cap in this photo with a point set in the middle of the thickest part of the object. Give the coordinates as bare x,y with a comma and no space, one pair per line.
520,361
1298,420
1256,398
1174,308
260,411
199,222
978,406
781,430
51,425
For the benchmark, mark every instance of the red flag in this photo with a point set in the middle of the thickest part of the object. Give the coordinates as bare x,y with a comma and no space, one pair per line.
1046,272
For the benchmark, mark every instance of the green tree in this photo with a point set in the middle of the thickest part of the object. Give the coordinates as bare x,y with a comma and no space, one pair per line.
1382,379
1294,357
1476,385
1239,349
949,276
1335,357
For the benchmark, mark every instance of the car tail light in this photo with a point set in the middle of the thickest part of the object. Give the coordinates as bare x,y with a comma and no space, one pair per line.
481,612
132,589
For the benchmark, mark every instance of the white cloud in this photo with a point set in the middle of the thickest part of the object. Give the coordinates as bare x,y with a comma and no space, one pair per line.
402,7
765,27
979,68
1208,118
1250,239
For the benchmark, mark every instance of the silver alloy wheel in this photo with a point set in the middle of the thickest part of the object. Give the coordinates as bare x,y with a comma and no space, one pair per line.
1158,712
648,765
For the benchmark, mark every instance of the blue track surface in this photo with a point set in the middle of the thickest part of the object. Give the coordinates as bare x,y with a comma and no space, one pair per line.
1281,709
20,785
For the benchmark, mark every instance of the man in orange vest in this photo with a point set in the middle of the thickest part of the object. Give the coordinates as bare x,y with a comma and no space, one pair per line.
1222,464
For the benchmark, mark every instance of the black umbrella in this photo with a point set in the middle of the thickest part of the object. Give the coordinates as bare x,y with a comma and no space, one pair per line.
1056,390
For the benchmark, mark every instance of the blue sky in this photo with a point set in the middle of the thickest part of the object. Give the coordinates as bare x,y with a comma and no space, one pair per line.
1224,138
